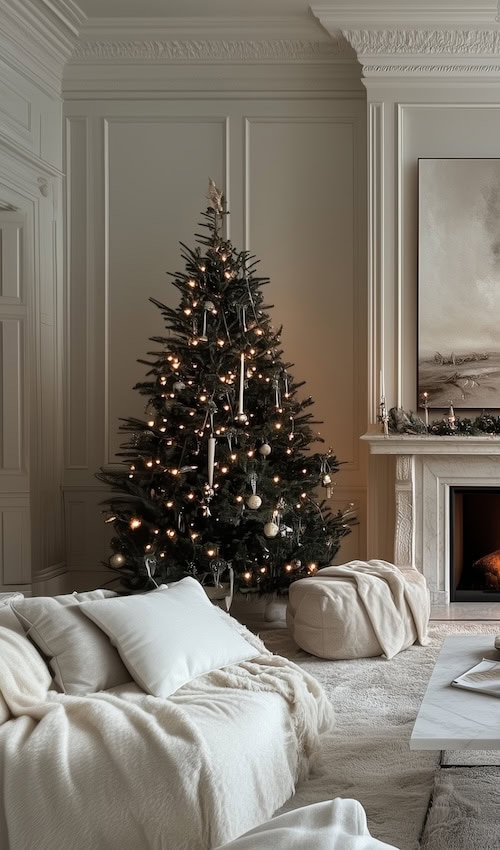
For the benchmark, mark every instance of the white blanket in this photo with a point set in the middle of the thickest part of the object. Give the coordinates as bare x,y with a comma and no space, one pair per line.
330,825
390,597
129,771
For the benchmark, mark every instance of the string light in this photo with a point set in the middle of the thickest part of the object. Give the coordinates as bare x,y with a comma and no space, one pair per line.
135,523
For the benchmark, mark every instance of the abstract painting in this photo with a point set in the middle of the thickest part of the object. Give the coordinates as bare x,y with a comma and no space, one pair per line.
459,282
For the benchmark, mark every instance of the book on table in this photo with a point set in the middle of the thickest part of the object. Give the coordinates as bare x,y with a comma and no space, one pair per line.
484,678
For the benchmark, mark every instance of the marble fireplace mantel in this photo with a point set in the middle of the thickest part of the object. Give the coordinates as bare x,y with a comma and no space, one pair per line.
422,444
425,469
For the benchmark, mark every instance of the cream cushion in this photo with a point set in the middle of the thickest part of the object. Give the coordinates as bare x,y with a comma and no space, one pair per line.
169,636
8,620
324,618
80,656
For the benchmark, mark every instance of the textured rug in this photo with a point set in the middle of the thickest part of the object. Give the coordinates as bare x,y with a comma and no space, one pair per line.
368,756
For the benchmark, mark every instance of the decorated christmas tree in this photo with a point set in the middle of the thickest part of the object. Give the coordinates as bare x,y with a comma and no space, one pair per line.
220,474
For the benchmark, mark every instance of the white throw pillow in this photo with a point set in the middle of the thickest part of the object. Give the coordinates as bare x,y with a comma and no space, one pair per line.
8,619
168,637
80,656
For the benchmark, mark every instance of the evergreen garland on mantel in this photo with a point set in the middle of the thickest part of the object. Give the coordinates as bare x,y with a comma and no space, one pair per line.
407,422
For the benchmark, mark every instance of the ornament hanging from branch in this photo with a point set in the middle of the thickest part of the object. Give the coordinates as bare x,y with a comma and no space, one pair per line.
254,501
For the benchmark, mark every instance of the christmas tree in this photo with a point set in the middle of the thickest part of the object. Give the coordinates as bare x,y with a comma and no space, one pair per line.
220,474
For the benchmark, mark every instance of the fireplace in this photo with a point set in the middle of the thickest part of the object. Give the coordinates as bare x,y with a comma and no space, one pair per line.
426,475
474,544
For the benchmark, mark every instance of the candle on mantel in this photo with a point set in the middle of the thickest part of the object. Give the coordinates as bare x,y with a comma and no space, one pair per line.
425,397
242,381
382,386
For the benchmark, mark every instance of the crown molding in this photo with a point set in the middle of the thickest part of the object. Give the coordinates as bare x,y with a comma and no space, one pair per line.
444,39
424,42
203,50
195,80
447,53
37,37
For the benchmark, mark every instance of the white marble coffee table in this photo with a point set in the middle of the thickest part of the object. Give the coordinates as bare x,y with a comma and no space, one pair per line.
452,718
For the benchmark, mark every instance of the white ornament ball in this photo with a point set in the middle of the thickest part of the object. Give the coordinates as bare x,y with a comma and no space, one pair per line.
265,449
208,305
254,502
271,529
117,560
242,418
179,385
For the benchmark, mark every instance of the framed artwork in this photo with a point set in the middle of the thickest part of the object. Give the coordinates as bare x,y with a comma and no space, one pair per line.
459,283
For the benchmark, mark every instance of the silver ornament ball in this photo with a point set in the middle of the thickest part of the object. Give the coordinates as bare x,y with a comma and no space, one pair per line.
271,529
179,385
254,502
117,560
265,449
242,419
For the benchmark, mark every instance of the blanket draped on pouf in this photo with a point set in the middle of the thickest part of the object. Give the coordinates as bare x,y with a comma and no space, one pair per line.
122,769
359,609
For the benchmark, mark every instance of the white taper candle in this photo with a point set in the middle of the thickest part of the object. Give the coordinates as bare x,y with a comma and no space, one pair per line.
211,460
242,381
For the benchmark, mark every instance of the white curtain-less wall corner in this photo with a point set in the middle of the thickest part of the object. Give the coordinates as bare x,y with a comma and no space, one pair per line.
293,170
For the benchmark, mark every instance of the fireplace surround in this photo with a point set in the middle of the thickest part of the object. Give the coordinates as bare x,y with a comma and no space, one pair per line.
428,470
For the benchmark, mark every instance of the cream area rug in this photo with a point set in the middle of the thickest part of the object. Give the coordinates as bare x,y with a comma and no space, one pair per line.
368,756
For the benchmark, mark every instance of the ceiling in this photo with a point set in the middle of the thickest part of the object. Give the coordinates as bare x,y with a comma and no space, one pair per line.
194,8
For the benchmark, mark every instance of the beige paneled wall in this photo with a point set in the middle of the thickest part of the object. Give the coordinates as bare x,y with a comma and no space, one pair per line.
294,173
35,42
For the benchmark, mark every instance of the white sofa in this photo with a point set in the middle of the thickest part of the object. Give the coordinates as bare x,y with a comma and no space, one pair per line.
89,758
148,722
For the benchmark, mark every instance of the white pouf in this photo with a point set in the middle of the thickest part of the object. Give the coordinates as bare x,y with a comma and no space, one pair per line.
359,610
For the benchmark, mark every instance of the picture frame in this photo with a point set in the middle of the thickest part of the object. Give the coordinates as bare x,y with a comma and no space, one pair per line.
458,358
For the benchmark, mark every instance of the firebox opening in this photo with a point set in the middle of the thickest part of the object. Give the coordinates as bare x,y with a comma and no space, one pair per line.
474,544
